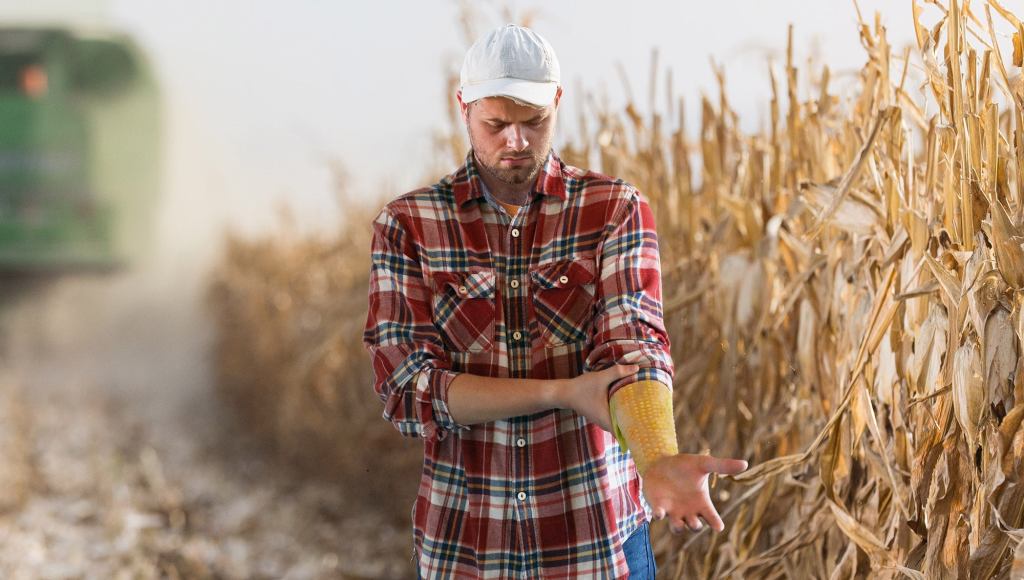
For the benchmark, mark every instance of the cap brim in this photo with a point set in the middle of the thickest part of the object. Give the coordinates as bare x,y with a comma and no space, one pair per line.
539,94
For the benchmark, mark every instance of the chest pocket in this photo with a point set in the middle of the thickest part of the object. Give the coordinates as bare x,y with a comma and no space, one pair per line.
464,313
564,295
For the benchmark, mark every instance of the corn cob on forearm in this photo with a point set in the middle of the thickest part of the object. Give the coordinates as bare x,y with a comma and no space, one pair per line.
643,422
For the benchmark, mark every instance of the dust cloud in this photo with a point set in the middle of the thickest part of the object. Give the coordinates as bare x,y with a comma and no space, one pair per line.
120,460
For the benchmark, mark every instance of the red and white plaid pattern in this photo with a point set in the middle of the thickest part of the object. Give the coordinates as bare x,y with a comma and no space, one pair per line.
571,284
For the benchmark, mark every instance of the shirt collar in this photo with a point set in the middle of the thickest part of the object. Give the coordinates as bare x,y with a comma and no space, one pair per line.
468,185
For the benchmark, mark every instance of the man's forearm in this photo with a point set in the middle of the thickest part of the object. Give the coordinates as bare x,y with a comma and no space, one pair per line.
476,399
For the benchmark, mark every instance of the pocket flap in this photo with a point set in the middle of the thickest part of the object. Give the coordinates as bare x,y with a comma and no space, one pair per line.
476,284
565,274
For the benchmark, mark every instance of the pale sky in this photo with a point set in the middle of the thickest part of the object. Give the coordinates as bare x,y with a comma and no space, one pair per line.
259,93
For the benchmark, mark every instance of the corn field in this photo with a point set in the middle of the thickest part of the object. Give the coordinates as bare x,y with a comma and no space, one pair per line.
844,291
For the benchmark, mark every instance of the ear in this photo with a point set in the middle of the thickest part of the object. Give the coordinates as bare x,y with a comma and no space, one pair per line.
558,96
463,107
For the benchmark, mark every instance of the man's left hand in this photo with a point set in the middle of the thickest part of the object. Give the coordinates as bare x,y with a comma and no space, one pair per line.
676,487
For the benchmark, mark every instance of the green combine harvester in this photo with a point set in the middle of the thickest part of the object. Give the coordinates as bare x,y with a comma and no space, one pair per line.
79,151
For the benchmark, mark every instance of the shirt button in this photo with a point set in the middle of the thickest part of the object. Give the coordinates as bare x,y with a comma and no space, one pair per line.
514,283
521,443
563,279
521,496
463,290
515,232
517,335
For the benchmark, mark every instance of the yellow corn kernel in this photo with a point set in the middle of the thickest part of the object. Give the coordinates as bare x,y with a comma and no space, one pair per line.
643,422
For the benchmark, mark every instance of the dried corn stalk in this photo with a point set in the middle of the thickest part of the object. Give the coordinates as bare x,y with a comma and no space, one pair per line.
845,297
290,360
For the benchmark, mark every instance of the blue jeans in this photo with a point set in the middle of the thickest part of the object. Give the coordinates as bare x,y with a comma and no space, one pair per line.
639,554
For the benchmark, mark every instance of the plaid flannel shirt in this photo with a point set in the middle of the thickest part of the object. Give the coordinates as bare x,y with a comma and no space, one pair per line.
570,284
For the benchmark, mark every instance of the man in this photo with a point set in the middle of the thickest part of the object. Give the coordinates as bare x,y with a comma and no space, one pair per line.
515,323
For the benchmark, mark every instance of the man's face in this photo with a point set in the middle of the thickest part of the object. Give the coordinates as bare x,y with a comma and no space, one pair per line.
510,141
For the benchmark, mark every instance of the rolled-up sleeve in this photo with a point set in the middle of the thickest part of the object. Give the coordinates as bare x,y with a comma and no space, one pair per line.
411,370
628,327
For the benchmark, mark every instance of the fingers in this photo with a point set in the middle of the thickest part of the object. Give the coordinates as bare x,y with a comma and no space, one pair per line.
710,515
677,525
622,371
724,466
680,521
605,377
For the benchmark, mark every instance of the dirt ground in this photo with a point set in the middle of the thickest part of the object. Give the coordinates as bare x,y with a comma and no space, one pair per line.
118,461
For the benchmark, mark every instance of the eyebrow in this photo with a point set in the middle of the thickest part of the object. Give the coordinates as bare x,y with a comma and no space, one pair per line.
538,117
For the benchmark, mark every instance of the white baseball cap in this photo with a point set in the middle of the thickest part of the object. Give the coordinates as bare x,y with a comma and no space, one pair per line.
511,61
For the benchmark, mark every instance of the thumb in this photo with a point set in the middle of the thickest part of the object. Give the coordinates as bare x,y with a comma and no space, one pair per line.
725,466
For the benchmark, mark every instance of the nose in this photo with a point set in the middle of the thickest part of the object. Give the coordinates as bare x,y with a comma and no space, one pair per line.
515,138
